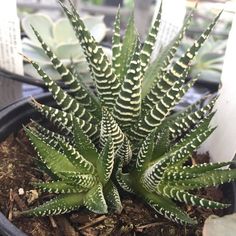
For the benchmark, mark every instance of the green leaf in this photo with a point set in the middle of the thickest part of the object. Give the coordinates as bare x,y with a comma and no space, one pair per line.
62,204
177,71
95,201
182,196
210,178
59,187
116,45
168,208
105,162
79,92
83,144
162,145
149,43
44,25
79,162
159,66
77,179
187,172
107,84
112,198
127,49
63,99
146,151
124,153
53,159
109,127
128,104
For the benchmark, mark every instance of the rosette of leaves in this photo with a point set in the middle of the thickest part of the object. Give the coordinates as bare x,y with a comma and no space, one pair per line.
61,39
121,140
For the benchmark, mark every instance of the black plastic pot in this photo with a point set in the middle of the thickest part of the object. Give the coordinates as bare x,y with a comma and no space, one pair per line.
14,116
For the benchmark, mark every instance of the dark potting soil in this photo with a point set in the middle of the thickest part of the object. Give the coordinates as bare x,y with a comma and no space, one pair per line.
18,170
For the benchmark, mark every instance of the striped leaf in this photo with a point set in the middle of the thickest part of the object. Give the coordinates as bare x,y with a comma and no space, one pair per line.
184,122
159,66
182,196
83,143
155,172
124,152
128,104
53,159
149,43
79,162
146,151
168,80
109,128
187,172
64,100
59,187
62,204
105,162
95,201
116,45
107,84
112,198
158,112
127,49
63,121
166,207
75,87
211,178
86,181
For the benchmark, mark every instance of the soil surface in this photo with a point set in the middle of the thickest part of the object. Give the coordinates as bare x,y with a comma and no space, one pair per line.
18,170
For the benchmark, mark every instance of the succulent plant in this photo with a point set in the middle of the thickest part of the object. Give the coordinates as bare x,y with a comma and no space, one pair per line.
209,61
120,140
60,37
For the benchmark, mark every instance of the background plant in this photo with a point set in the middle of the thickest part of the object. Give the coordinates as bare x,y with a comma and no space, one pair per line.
123,138
60,37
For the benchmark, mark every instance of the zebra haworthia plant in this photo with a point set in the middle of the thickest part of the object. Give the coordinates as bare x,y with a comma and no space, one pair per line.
124,139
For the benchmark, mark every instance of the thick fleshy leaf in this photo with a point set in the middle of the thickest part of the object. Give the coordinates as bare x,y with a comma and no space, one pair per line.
77,179
211,178
168,208
59,187
159,65
178,154
53,159
177,71
116,45
79,162
149,43
95,201
187,172
44,25
105,162
146,151
127,49
62,204
124,153
106,82
112,198
128,104
83,143
63,99
182,196
109,127
75,88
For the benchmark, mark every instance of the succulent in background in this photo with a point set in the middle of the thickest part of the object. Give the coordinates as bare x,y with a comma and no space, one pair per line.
61,39
119,139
